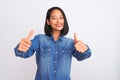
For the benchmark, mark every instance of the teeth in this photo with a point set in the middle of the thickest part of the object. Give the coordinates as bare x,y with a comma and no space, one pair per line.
58,24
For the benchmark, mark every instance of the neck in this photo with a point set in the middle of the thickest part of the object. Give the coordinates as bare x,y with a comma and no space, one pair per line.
56,35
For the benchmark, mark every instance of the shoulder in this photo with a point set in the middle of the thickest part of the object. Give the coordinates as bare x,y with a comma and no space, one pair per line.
39,36
68,39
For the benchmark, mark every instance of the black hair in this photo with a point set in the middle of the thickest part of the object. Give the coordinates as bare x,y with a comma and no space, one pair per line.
48,29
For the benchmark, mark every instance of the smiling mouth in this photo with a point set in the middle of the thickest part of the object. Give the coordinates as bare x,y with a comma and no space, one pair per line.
59,25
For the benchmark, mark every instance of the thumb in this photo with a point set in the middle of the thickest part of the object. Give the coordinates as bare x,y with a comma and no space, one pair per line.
75,37
30,34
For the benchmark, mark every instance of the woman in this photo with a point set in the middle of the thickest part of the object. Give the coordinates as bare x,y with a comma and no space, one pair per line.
53,51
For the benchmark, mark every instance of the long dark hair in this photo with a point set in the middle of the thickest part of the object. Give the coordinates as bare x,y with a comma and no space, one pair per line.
48,29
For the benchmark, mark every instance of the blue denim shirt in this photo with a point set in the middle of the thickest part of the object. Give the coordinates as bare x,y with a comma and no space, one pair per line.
53,58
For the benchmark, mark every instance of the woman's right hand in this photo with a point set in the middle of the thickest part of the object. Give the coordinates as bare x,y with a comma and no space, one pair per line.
25,43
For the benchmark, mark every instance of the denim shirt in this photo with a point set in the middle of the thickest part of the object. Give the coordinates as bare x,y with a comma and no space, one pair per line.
53,58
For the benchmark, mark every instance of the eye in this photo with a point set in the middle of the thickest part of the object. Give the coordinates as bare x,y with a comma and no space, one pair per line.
53,18
61,17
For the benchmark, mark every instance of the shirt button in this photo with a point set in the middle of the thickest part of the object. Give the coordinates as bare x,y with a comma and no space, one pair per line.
42,49
55,62
55,71
56,52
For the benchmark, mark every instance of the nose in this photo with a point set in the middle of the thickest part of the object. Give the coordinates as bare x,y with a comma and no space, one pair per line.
58,20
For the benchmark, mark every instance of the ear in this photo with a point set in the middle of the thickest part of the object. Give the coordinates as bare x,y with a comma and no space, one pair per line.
48,22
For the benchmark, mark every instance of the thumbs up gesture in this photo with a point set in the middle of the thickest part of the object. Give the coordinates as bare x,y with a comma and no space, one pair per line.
25,43
79,45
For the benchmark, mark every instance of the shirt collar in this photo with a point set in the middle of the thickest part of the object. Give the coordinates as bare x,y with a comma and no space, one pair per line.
51,38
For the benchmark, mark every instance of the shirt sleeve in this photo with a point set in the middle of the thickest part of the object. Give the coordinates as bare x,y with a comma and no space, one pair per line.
81,56
30,52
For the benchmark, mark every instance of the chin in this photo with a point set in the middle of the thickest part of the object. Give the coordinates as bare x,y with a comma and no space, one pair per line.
60,29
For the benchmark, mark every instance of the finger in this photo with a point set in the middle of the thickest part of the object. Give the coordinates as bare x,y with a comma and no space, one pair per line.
25,42
82,50
75,37
30,34
21,49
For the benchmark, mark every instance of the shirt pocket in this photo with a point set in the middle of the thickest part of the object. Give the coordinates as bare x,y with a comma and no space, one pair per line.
44,52
66,53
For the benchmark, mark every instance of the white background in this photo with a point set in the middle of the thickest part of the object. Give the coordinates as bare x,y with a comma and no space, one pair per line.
96,22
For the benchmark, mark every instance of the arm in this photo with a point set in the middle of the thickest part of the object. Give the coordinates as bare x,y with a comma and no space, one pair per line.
80,51
26,47
26,54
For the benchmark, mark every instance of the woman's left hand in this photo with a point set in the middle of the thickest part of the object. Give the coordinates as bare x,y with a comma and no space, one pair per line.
79,45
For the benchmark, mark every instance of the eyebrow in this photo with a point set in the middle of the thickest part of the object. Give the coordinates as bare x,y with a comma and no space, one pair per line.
55,16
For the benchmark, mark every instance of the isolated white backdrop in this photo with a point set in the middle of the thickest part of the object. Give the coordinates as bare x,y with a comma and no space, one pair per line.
96,22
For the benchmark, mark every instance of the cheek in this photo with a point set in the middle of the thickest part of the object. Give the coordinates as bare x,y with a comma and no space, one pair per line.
52,21
62,21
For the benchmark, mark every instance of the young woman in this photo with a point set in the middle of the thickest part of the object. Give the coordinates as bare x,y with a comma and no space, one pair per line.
53,51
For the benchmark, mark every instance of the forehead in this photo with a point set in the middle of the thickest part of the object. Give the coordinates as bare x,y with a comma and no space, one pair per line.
56,12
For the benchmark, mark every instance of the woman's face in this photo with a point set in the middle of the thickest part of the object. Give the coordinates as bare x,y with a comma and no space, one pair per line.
56,20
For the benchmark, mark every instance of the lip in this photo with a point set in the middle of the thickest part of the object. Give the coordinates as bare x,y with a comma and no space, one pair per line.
59,25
